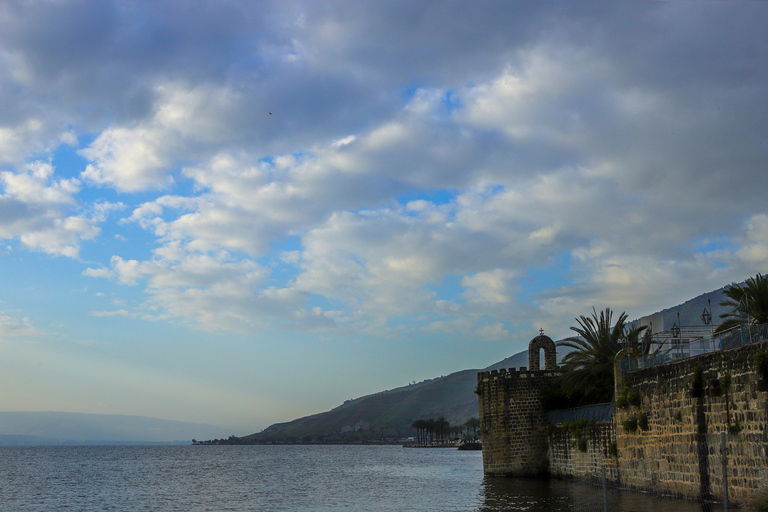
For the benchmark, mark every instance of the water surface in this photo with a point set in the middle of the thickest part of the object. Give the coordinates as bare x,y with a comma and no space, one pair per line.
284,478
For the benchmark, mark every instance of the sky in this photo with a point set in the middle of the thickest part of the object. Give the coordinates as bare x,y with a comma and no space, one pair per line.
240,213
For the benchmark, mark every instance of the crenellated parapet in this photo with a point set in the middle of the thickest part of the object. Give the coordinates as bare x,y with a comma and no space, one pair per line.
516,373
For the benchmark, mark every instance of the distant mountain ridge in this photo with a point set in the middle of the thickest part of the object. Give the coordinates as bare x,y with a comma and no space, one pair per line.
56,428
393,411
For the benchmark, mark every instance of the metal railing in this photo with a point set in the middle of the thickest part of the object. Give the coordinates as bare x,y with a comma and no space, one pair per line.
693,341
595,412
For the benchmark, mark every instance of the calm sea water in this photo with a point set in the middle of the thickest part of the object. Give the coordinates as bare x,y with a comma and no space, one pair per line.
283,478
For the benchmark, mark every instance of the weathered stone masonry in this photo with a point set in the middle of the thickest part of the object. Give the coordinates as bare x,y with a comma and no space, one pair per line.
678,453
512,418
686,409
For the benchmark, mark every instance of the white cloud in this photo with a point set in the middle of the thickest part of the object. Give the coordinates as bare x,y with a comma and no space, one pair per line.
144,156
211,291
754,249
541,143
119,312
488,287
37,209
11,327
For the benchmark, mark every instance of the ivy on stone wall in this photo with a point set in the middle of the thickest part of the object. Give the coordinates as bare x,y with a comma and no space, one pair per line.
630,424
627,397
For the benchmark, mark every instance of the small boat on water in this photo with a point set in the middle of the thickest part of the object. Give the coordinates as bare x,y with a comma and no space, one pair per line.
472,445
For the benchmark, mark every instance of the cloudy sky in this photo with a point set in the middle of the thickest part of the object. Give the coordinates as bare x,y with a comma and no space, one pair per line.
244,212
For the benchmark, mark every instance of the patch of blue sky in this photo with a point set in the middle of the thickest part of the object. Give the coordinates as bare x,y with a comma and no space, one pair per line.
555,275
47,289
410,92
281,246
128,240
451,102
450,289
436,197
182,185
67,160
709,244
282,262
326,304
492,190
716,248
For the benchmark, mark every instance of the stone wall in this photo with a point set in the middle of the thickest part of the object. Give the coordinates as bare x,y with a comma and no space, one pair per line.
581,450
688,411
512,421
682,413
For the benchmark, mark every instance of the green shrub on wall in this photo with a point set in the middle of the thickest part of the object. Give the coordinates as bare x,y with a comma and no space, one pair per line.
630,424
580,430
628,398
613,449
642,421
725,382
633,422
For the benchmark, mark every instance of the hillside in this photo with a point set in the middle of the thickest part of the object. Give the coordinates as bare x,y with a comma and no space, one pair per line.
392,412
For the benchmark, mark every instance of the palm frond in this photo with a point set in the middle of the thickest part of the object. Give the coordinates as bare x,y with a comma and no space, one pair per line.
748,303
588,368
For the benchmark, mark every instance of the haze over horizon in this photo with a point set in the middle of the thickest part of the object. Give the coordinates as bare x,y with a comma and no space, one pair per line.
239,213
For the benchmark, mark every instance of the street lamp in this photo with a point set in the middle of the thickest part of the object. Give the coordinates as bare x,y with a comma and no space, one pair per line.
675,332
706,317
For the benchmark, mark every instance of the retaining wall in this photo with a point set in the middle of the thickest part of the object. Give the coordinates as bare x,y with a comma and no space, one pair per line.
678,452
687,412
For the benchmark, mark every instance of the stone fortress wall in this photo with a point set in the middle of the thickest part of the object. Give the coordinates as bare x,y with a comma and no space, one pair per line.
680,414
512,418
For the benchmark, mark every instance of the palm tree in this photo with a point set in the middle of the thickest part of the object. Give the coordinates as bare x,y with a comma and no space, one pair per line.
430,427
588,369
749,303
474,424
443,427
419,426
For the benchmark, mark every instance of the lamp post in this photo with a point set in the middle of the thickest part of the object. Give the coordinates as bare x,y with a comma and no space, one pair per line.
675,332
706,317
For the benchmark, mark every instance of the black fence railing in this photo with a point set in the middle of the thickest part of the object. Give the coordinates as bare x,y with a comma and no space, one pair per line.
693,342
595,412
